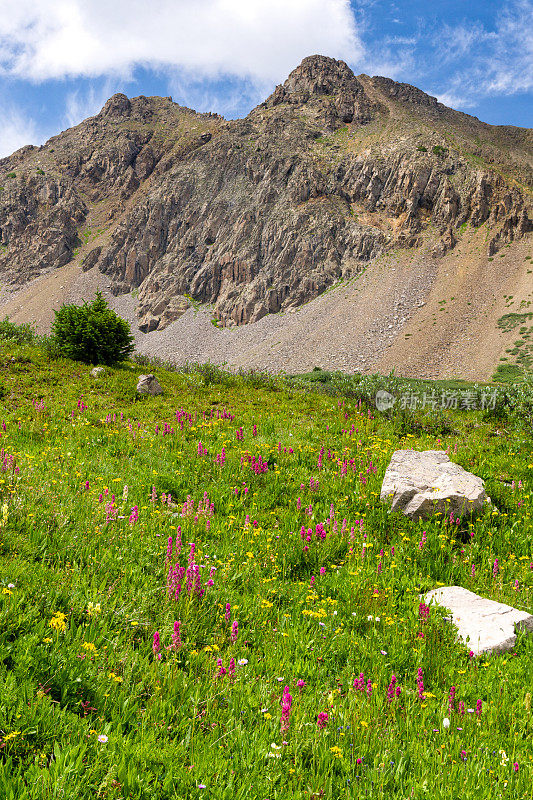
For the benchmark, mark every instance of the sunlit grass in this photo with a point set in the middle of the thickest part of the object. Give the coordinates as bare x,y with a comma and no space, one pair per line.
322,582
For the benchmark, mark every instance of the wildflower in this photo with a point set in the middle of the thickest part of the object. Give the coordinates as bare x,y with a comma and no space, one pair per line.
58,622
176,636
495,568
234,631
359,683
322,720
390,690
420,685
478,708
515,766
221,670
156,645
445,722
93,609
451,699
242,662
286,703
463,755
227,615
322,570
300,684
103,739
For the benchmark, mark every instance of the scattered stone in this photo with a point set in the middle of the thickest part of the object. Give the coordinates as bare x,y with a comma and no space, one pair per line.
422,483
485,626
148,384
97,371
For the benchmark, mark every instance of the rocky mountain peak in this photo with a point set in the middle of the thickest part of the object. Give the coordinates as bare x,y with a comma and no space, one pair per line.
117,106
319,75
328,91
260,215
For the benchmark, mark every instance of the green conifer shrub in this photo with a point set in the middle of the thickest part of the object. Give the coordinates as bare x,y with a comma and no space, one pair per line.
92,333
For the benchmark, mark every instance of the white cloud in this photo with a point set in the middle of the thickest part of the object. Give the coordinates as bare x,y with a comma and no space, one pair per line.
489,61
456,101
231,98
16,131
82,104
510,64
261,40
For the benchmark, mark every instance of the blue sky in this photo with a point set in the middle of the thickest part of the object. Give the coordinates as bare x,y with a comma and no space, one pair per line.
61,59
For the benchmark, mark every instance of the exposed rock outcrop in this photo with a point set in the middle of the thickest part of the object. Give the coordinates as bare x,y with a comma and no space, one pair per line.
263,214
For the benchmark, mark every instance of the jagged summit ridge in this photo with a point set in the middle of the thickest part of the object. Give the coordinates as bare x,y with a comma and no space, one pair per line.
328,88
259,215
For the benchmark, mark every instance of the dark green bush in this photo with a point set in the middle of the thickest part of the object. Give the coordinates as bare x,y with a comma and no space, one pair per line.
440,151
92,333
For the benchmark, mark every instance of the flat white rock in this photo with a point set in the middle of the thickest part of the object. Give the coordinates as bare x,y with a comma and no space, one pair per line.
422,483
485,626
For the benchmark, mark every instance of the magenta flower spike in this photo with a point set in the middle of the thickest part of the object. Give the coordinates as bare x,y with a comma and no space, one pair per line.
322,720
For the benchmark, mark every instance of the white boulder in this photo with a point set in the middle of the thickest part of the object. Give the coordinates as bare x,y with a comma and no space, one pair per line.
421,483
485,626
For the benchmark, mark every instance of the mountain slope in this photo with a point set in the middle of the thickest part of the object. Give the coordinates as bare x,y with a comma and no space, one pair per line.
261,215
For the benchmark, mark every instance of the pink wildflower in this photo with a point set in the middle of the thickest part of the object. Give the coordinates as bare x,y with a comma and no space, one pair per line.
322,720
176,636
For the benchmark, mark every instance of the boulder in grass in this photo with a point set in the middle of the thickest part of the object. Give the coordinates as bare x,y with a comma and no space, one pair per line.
97,371
148,384
485,626
421,483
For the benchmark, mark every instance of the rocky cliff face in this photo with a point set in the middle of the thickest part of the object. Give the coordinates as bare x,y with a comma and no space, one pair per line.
261,214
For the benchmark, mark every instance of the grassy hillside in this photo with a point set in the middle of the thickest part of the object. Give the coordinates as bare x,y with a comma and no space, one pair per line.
121,517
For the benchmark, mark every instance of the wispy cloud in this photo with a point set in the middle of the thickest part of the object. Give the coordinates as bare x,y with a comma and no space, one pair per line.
483,61
16,131
81,104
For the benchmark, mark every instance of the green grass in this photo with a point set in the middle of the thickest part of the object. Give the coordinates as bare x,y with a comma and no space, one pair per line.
88,709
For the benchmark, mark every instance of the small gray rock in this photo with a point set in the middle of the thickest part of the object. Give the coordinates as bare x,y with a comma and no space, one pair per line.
97,371
148,384
485,626
421,484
